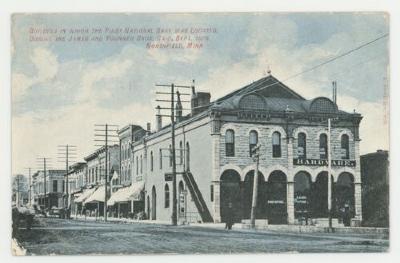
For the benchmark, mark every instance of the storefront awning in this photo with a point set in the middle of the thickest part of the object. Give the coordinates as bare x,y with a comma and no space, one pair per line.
97,196
84,195
127,193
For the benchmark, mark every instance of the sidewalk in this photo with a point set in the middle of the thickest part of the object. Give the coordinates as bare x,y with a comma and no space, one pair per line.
119,220
242,226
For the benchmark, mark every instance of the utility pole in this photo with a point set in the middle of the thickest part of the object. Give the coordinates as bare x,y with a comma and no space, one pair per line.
104,130
29,186
66,153
329,175
256,158
46,201
174,219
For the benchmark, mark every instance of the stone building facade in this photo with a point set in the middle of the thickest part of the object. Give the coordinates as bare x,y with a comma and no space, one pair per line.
215,167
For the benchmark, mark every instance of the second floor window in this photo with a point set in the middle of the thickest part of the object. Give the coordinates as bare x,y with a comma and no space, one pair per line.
160,154
230,143
323,146
253,140
187,156
137,165
276,145
301,146
344,142
180,152
151,161
141,164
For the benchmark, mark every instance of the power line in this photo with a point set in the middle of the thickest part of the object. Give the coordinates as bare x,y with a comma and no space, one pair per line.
325,62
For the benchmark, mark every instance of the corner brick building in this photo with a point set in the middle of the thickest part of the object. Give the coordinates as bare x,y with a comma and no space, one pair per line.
215,167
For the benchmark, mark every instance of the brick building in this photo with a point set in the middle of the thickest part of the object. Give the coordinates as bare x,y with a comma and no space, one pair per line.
215,167
375,188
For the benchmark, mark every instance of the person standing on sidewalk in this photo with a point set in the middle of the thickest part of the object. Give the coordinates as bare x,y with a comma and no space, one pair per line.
229,217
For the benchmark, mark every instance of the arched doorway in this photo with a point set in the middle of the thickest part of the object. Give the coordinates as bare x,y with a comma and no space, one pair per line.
320,196
181,201
302,196
276,204
247,196
230,196
153,203
148,207
344,198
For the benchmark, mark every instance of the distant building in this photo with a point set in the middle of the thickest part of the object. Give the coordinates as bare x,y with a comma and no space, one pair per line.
20,190
375,188
48,188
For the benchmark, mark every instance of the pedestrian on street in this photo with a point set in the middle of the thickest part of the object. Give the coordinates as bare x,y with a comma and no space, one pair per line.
229,217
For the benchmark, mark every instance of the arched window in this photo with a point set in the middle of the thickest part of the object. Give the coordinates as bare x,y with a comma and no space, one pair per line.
301,146
323,146
276,145
170,155
166,199
137,165
187,156
151,161
141,164
160,154
230,143
180,152
253,140
345,146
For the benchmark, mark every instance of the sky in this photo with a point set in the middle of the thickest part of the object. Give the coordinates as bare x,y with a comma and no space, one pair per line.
61,89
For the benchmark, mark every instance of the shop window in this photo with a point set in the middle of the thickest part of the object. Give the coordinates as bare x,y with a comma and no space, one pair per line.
253,140
345,146
323,146
167,201
230,143
276,145
301,146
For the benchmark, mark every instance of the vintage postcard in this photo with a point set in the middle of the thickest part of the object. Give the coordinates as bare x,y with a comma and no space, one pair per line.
210,133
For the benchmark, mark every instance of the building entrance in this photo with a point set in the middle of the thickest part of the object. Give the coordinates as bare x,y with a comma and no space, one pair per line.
181,202
247,192
344,198
302,196
153,204
276,201
230,204
320,196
